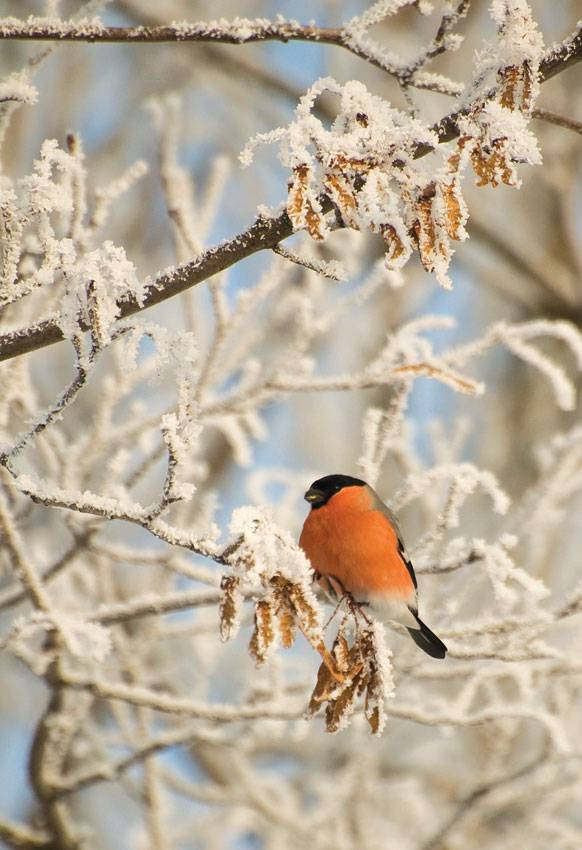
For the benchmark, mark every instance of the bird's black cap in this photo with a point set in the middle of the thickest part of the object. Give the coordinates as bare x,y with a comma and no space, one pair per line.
324,488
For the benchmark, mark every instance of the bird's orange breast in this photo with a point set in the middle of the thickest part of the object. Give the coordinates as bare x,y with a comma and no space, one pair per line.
349,539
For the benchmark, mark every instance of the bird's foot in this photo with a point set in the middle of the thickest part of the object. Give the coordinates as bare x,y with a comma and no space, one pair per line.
356,608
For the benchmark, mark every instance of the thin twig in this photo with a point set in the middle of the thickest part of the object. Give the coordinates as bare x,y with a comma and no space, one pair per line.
110,772
238,32
169,704
559,120
13,596
474,798
439,43
152,607
321,268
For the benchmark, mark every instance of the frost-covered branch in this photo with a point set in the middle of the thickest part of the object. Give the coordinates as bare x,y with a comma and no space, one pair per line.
237,32
21,564
112,508
156,606
554,61
265,233
176,705
247,31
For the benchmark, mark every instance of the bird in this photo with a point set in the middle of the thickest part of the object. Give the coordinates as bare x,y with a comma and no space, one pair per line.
355,547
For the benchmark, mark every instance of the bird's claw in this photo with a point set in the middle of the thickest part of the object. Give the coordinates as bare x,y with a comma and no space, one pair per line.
356,608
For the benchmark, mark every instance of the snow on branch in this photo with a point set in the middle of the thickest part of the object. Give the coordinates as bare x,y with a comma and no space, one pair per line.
516,338
365,163
495,138
352,37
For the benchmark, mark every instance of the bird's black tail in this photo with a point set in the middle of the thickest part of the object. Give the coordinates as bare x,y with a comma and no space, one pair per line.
427,640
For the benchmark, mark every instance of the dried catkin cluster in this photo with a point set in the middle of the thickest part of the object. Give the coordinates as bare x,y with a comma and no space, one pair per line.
286,604
366,164
269,568
349,671
361,669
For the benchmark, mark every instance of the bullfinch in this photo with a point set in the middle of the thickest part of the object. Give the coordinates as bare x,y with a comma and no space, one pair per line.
354,545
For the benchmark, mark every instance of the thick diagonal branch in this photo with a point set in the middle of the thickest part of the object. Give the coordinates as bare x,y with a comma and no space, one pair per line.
265,233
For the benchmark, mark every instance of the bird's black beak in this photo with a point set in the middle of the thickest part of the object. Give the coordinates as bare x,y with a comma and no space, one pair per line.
314,497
